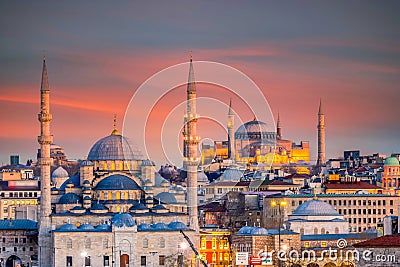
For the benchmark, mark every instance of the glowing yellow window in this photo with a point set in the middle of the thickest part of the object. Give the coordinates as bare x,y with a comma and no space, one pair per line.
118,208
109,196
214,256
23,202
126,195
5,202
102,195
307,244
105,167
226,257
18,202
203,242
323,244
118,195
214,243
121,166
112,165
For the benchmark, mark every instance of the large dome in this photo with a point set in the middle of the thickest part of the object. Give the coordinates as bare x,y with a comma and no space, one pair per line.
315,208
231,175
254,130
114,147
391,161
117,182
60,172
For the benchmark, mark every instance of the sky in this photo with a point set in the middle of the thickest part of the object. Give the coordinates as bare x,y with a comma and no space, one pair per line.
346,53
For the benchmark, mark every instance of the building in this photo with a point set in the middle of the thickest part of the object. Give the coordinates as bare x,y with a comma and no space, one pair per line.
362,211
391,175
19,243
321,161
215,247
316,217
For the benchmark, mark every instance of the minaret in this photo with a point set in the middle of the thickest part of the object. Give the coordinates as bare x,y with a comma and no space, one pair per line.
190,143
321,137
231,133
45,140
278,128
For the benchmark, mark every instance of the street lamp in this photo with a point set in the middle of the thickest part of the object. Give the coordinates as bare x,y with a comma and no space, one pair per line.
279,204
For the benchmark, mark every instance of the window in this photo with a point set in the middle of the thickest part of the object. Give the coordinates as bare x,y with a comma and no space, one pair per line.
323,244
336,230
4,248
307,244
15,249
30,248
214,243
143,261
106,261
23,248
4,240
322,231
161,260
145,243
87,261
162,242
219,190
69,261
214,257
69,243
301,231
24,240
203,242
16,240
391,202
226,256
315,231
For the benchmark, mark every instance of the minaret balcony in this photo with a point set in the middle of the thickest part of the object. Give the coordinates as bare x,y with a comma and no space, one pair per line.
45,139
44,117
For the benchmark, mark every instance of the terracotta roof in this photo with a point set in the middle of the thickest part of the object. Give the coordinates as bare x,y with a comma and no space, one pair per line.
390,241
359,185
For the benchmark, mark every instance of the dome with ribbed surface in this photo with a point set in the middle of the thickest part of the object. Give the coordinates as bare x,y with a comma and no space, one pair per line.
139,206
160,226
259,231
68,227
202,177
391,161
86,226
114,147
245,230
144,227
254,130
60,172
98,206
117,182
315,208
123,219
103,227
70,198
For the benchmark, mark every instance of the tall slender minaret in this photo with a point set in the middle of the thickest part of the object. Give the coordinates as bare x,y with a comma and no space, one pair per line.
190,157
278,128
321,137
45,140
231,133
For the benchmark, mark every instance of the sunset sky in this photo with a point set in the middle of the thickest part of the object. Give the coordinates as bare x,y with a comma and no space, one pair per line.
99,52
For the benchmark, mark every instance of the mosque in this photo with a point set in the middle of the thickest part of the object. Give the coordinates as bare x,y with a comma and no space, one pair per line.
116,211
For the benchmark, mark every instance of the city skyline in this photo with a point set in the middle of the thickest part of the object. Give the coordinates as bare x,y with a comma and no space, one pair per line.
96,60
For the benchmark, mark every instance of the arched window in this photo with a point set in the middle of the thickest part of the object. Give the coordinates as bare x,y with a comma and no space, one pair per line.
315,231
118,208
69,243
112,165
145,243
88,243
109,195
226,257
121,166
105,167
214,243
126,195
118,195
105,243
336,230
162,242
102,195
322,231
301,231
214,256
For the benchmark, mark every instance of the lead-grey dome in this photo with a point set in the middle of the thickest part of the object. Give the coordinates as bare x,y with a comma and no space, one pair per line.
70,198
117,182
114,147
254,130
166,197
315,208
231,175
60,172
123,219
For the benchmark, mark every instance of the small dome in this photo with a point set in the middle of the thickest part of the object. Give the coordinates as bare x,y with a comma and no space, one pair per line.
74,180
68,227
123,219
114,147
158,207
86,163
117,182
103,227
98,206
315,208
391,161
177,226
70,198
202,177
86,226
259,231
245,230
60,172
160,226
78,208
148,162
87,198
86,182
166,197
144,227
231,175
139,206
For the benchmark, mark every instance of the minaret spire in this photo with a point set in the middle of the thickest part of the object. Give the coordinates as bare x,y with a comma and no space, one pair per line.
190,143
231,133
321,137
278,128
45,140
115,130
